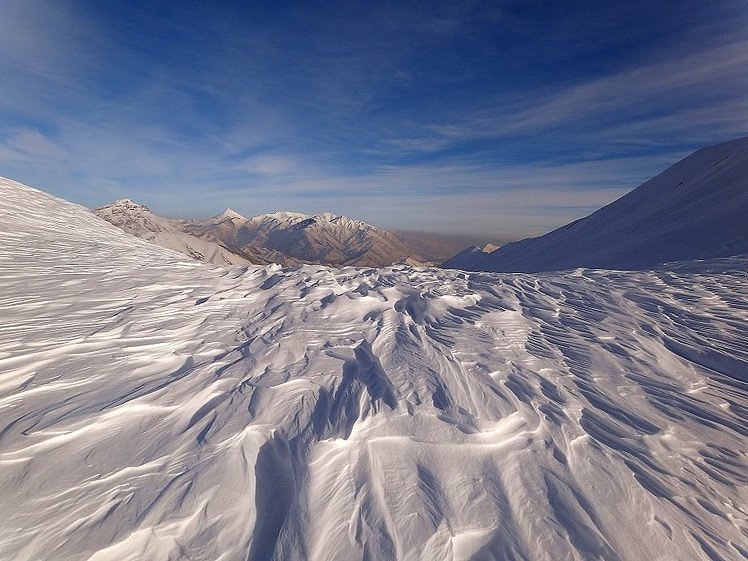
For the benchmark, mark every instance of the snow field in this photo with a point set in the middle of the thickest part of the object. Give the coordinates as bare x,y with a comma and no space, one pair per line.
152,407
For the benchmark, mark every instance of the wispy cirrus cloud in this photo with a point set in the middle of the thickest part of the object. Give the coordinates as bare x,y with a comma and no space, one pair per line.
703,91
29,146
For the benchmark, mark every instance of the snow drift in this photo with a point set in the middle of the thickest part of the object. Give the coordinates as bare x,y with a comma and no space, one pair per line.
696,209
153,407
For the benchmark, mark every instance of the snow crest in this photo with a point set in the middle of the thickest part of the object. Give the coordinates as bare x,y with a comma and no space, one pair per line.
155,408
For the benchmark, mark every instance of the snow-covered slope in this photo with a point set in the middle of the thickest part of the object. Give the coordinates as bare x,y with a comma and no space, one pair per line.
324,238
155,408
138,220
696,209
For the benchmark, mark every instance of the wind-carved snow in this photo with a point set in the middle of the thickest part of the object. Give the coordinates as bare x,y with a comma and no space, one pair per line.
157,408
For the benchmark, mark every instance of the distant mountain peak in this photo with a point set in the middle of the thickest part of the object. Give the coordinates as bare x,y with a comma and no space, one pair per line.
323,238
230,214
124,204
284,215
464,258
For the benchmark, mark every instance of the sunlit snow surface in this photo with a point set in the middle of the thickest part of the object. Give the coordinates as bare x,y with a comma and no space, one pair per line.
156,408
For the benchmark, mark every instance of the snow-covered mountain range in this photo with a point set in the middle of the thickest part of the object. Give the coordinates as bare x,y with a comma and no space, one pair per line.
325,238
138,220
697,209
285,238
153,407
208,240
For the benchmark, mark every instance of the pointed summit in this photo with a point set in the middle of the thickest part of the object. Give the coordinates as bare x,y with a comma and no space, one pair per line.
230,214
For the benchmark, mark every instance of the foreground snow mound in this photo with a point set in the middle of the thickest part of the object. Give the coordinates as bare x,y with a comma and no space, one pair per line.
696,209
154,408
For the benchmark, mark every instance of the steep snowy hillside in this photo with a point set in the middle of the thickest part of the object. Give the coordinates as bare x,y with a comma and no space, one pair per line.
138,220
155,408
324,238
696,209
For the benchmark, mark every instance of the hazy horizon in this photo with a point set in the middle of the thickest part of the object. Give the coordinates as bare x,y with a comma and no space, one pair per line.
489,120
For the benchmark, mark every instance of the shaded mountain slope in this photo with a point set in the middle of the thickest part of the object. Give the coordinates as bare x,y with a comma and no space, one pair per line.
696,209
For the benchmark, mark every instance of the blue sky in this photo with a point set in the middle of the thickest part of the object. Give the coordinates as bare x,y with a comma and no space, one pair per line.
499,119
